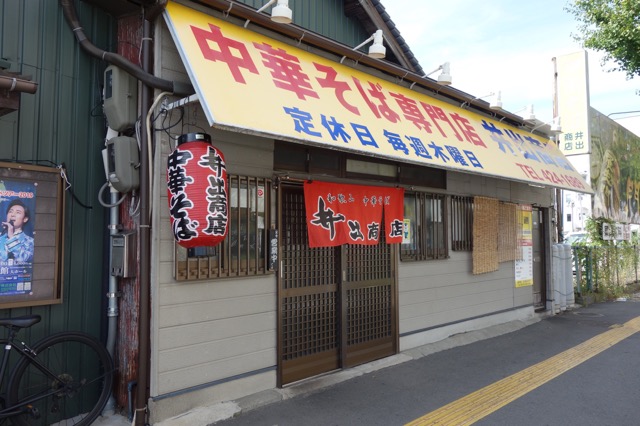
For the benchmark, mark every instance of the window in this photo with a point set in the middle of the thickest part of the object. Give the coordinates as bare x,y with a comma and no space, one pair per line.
461,223
245,250
289,156
299,158
371,168
423,176
425,222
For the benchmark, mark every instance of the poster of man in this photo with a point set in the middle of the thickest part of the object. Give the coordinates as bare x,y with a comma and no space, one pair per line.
17,207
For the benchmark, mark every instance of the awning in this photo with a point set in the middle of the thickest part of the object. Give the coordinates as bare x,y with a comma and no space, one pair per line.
251,83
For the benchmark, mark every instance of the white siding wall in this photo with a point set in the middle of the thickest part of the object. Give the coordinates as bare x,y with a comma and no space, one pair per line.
438,292
207,331
213,329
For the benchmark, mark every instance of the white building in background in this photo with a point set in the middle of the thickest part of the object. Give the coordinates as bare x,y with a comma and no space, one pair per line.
604,150
576,209
631,121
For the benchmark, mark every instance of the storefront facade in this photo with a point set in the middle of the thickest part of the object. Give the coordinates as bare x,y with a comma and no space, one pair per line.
289,107
270,305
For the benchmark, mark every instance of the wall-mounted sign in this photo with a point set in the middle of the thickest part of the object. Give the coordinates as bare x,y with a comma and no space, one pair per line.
608,232
573,102
273,249
406,232
17,220
252,83
353,214
31,219
618,231
524,266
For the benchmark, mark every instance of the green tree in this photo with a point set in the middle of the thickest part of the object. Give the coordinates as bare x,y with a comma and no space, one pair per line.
613,27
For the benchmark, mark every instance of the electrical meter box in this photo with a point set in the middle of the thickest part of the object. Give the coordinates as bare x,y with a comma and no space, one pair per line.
123,254
123,163
120,98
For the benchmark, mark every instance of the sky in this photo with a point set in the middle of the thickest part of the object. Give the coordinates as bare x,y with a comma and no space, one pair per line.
507,46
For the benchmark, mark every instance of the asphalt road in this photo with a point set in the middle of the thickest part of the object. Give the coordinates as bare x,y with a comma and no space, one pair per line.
602,389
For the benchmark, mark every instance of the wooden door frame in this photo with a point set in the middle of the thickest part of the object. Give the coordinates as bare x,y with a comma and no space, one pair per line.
543,232
341,293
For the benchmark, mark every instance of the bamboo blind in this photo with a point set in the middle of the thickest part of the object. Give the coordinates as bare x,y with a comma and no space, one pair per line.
485,235
508,232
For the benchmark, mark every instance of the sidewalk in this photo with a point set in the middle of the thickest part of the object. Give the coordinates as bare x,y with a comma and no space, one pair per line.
206,416
567,326
112,420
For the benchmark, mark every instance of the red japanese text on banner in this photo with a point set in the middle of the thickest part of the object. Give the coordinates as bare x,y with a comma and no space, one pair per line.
352,214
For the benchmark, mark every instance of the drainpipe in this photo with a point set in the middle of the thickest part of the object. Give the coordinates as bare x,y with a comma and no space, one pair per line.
112,294
17,84
142,389
149,82
181,89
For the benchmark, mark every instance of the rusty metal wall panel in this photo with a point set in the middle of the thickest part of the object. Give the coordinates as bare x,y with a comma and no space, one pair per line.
129,34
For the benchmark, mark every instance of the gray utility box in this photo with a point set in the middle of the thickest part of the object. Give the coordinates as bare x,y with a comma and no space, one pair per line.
120,98
123,254
123,163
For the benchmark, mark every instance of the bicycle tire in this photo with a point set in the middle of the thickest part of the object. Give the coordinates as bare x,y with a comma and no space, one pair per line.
85,367
3,420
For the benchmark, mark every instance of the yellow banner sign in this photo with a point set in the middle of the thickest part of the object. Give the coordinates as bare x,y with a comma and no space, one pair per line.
249,82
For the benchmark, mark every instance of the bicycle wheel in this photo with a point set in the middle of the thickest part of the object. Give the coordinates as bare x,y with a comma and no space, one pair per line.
3,419
76,391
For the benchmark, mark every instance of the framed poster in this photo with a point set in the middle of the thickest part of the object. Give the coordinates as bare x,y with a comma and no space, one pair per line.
31,230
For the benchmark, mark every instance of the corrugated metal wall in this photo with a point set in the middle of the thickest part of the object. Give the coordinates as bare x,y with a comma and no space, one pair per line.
324,17
62,124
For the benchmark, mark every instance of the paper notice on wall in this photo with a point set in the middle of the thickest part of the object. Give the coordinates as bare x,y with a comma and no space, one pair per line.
524,266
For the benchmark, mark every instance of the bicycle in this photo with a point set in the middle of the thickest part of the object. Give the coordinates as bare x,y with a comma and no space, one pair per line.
65,378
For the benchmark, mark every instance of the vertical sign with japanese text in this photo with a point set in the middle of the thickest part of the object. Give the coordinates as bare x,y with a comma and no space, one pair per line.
273,249
573,102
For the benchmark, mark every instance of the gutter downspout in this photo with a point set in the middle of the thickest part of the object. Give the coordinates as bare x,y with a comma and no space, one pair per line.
148,82
112,295
144,332
17,84
181,89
